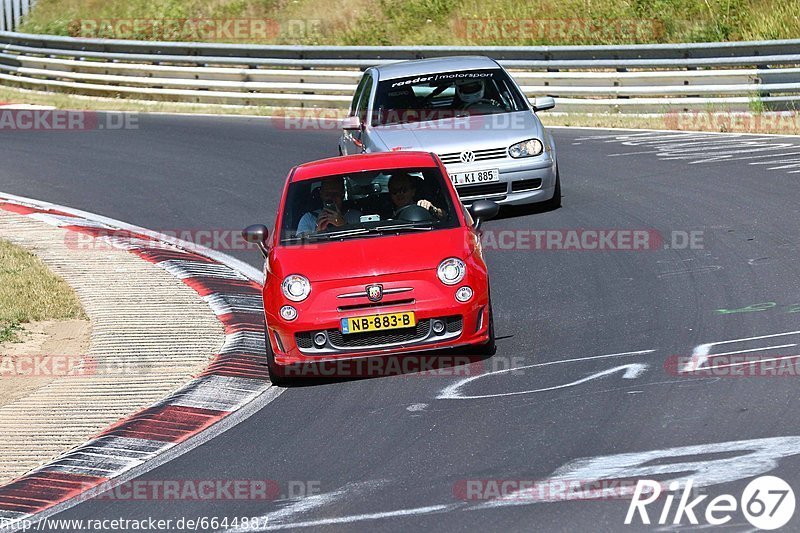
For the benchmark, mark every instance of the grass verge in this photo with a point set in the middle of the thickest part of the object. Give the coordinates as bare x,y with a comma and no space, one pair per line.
29,291
417,22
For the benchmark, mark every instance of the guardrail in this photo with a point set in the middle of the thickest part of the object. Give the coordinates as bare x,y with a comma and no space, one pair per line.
632,78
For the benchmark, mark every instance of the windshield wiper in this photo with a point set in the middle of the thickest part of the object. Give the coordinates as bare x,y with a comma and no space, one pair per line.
411,226
336,234
316,237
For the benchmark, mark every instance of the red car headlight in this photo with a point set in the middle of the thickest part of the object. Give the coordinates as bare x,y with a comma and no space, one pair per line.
296,287
451,271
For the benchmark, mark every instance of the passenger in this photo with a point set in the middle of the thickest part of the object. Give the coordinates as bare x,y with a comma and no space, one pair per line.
403,190
331,192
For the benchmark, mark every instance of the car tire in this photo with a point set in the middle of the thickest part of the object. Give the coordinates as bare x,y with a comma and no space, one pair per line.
276,374
489,347
555,201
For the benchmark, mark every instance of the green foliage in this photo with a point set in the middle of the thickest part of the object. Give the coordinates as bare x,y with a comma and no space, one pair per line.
415,22
30,291
8,331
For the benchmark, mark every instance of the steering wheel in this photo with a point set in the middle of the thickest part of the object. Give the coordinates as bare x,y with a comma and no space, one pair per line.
413,213
483,101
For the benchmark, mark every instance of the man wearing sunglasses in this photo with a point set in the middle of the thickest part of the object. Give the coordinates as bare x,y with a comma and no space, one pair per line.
403,191
333,212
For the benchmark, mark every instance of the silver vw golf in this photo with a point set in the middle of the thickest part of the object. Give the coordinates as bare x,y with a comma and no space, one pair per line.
470,112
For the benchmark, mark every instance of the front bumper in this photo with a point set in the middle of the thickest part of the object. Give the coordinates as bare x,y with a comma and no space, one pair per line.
430,300
522,181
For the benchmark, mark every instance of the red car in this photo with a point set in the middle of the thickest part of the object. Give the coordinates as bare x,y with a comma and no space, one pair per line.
373,255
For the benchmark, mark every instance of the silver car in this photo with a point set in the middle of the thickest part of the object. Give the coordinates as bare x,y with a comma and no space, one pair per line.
470,112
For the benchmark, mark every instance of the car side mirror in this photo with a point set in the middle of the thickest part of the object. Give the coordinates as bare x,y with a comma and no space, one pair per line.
543,103
483,210
257,234
351,123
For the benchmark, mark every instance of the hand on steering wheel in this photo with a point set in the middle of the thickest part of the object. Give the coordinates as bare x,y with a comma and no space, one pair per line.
413,213
404,208
482,101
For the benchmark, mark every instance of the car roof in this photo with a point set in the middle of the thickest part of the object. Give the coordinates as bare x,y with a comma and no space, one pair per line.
361,162
435,65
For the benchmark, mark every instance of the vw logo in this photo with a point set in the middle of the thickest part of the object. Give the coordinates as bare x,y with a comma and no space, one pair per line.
375,292
467,156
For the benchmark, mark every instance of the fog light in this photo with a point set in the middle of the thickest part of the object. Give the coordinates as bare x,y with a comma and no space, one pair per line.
320,339
288,313
464,294
438,327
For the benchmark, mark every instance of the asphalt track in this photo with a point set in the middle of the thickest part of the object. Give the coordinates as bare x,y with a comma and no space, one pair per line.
389,454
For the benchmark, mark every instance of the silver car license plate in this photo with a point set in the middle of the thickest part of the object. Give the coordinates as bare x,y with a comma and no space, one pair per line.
475,176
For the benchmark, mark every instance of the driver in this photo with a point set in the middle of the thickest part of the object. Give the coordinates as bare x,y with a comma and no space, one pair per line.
331,192
470,91
474,95
403,190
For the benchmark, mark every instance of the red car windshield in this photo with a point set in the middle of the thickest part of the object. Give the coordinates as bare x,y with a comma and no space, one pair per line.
367,204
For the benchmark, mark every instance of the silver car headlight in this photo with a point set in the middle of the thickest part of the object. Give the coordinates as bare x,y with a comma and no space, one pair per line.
296,287
528,148
451,271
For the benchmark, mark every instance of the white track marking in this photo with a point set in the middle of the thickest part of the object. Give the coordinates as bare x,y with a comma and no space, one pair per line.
706,147
632,371
700,354
759,361
650,131
417,511
754,457
698,270
776,347
626,154
309,503
453,391
576,359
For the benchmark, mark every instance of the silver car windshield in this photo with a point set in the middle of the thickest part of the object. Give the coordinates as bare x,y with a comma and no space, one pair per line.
445,95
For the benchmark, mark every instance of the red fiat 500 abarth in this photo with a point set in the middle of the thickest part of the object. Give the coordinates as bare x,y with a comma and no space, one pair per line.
373,255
